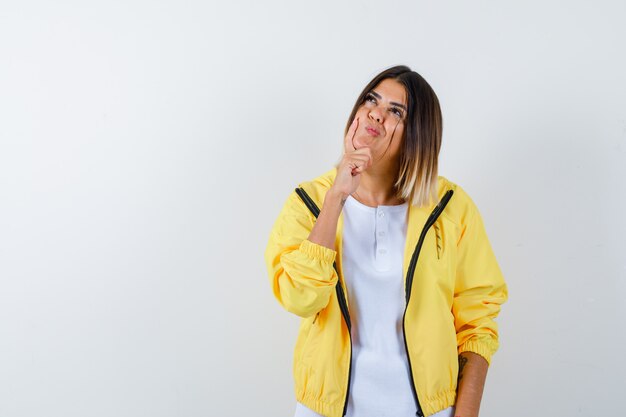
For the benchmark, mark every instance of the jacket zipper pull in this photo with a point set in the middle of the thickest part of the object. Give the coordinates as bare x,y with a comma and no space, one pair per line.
315,317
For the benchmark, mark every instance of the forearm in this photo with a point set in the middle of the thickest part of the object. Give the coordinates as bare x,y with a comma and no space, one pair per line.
472,375
325,228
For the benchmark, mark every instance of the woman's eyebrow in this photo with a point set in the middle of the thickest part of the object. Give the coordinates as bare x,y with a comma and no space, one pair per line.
375,94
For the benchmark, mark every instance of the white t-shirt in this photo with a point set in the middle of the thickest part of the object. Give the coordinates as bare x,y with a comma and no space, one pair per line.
373,249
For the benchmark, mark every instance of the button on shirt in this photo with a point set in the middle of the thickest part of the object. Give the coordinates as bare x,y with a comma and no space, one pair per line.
373,246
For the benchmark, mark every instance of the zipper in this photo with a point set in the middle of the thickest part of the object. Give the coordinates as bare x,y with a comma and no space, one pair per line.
409,282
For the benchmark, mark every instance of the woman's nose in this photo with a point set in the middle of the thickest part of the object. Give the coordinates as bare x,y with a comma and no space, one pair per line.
375,114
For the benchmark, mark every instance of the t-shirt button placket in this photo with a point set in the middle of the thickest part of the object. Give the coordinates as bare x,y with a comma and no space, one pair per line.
381,240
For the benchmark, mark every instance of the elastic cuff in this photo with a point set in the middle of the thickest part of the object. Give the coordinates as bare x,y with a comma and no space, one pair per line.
479,347
318,251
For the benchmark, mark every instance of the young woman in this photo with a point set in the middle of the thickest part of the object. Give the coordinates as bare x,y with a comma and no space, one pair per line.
390,269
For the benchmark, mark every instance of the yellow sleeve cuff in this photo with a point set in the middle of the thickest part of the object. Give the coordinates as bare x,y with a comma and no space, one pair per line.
480,347
317,251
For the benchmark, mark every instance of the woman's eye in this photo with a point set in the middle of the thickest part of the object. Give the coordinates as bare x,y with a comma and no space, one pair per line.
370,97
397,112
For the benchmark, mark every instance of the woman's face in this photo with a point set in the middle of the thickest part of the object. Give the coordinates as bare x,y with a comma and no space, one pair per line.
381,121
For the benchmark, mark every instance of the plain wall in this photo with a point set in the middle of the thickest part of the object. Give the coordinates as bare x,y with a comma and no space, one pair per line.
146,148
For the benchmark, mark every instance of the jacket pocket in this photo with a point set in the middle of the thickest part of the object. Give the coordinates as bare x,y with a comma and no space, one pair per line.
318,313
438,239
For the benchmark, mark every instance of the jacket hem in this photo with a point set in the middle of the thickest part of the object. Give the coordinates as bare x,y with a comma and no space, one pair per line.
430,405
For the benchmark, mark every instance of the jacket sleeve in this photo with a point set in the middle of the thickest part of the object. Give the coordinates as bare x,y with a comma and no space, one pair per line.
301,272
480,288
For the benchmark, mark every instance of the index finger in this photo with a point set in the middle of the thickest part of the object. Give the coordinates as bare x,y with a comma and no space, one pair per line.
347,141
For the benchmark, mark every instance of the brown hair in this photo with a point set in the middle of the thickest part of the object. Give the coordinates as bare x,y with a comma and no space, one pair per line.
417,176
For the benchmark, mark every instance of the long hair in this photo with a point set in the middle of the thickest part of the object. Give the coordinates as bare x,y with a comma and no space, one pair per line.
417,175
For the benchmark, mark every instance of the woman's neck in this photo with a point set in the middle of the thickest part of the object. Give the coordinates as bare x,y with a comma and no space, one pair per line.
377,189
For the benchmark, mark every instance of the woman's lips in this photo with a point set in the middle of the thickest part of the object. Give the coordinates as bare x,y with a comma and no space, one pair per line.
372,131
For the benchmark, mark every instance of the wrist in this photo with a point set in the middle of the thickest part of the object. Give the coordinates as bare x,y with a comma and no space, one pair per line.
335,198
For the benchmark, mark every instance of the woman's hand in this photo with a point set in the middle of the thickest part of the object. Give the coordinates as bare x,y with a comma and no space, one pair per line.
352,164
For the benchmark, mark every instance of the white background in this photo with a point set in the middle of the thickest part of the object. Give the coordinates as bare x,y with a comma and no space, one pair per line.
146,148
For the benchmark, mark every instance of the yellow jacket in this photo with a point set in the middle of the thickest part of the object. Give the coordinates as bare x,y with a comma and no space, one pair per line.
454,289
